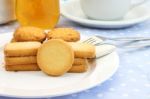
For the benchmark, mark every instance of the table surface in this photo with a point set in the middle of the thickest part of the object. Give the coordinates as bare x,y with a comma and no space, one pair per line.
131,81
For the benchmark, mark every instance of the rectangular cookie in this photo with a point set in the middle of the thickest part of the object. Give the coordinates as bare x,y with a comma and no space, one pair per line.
83,50
28,67
20,60
21,49
80,61
35,67
32,60
78,68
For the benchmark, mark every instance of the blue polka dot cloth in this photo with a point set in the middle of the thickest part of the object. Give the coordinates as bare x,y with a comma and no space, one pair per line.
132,79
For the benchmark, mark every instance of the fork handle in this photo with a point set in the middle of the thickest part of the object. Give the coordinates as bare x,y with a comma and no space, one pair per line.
130,39
126,38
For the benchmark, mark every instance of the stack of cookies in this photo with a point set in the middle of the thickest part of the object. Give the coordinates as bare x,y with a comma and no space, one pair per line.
21,56
60,52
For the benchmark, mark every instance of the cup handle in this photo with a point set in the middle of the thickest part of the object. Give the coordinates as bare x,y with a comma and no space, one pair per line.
139,3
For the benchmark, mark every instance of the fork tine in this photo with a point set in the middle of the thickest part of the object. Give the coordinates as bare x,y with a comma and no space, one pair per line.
92,41
89,39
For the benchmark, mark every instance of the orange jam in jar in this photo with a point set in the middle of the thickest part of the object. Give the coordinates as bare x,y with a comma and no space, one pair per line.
40,13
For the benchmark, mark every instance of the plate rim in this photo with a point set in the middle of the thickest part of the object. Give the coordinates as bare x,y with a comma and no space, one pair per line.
70,92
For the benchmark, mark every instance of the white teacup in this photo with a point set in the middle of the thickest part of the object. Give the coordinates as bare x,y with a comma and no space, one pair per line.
107,9
7,11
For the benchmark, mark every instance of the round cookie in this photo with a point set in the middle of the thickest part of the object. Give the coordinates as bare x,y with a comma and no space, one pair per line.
55,57
29,33
67,34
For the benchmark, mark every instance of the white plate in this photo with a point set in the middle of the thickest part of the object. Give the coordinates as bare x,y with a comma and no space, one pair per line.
37,85
71,9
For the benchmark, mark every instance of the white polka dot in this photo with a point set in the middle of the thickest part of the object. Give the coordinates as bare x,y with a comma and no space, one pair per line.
130,71
136,90
129,61
133,80
148,96
140,66
129,31
122,34
147,85
146,55
136,59
100,95
120,75
143,76
139,35
148,63
123,84
87,31
125,95
111,89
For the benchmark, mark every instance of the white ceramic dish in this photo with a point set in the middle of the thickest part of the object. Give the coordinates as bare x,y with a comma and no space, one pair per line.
71,9
38,85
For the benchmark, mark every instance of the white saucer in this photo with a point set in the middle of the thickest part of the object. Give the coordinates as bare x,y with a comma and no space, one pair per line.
71,9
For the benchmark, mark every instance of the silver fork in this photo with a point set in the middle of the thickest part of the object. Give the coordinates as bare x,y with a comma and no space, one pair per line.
94,40
123,38
102,49
133,43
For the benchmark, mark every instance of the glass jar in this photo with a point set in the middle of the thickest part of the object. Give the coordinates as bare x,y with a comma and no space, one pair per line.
40,13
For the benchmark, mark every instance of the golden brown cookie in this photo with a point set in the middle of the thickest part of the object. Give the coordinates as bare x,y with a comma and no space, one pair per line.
29,33
67,34
35,67
78,68
13,40
20,60
55,57
21,49
83,50
27,67
80,61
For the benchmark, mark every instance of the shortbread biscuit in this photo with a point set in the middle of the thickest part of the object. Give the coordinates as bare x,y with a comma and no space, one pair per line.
80,61
27,67
20,60
78,68
67,34
35,67
22,49
55,57
83,50
13,40
29,33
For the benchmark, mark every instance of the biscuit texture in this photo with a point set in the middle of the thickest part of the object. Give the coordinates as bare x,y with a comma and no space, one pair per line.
67,34
29,33
35,67
27,67
22,49
80,61
83,50
13,40
55,57
20,60
78,68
